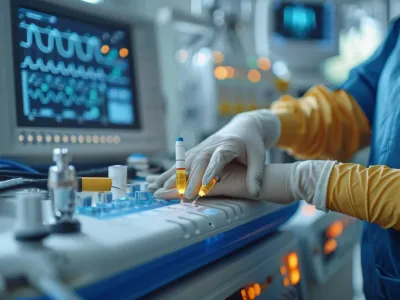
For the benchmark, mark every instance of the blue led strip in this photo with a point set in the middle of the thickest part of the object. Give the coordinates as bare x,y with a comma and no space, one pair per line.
135,283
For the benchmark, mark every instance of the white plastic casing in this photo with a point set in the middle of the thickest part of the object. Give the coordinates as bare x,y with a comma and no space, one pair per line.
180,154
119,177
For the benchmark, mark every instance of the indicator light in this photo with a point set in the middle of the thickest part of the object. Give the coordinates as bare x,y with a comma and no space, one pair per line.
283,270
294,277
285,282
220,73
244,294
123,52
105,49
257,289
251,293
335,230
293,260
254,76
264,63
330,246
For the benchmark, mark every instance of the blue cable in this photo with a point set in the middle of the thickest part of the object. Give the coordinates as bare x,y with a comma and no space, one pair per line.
15,165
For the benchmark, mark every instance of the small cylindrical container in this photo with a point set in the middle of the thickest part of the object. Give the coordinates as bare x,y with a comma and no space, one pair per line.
29,217
119,177
180,171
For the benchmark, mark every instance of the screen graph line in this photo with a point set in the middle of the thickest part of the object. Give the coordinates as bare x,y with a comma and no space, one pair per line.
71,70
55,40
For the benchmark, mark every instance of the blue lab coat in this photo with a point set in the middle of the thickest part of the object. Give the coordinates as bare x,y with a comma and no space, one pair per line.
375,84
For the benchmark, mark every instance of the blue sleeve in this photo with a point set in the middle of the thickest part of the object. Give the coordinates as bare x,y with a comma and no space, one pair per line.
362,83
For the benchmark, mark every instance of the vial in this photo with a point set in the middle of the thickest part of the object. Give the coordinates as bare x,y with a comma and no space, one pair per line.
119,177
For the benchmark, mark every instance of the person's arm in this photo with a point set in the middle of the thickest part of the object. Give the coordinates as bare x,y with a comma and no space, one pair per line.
370,194
335,124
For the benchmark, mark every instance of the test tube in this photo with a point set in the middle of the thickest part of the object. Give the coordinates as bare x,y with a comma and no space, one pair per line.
205,189
180,166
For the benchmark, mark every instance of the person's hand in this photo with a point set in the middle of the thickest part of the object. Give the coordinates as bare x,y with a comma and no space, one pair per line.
244,139
282,183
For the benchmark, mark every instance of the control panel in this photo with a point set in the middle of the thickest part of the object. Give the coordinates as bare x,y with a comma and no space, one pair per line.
257,272
133,239
328,241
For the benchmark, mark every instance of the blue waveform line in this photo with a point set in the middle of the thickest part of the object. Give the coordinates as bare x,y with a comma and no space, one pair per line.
71,70
61,97
55,40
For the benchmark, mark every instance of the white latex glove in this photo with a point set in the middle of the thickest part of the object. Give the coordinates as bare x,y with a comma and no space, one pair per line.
244,139
282,183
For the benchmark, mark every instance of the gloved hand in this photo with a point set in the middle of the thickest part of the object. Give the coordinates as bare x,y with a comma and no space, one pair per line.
282,183
244,139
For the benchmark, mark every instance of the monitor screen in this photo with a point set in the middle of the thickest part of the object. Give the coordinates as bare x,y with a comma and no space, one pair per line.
302,21
72,70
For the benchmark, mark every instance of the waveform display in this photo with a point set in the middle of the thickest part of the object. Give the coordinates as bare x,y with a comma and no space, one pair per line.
70,69
62,97
73,72
75,43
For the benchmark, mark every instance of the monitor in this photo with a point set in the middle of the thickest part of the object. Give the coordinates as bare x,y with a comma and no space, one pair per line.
84,76
302,33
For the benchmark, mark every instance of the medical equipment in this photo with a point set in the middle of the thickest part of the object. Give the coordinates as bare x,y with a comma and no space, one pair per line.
180,172
327,243
287,30
77,75
257,272
140,239
209,86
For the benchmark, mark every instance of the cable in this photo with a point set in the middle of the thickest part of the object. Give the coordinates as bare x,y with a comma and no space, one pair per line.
16,165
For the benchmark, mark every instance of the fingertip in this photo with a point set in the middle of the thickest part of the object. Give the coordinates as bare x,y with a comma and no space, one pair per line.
167,194
151,178
190,194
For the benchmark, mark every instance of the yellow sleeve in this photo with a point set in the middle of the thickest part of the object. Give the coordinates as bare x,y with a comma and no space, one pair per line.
322,124
370,194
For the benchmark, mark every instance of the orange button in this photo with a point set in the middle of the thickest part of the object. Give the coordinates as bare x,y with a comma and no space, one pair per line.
251,293
293,260
294,277
257,289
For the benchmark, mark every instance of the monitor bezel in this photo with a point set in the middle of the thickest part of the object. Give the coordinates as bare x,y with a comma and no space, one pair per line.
65,12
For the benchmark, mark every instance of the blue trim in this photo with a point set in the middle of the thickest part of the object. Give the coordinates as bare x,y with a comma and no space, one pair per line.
135,283
179,139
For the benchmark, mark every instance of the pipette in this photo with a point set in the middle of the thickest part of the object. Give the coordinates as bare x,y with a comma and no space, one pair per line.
205,189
